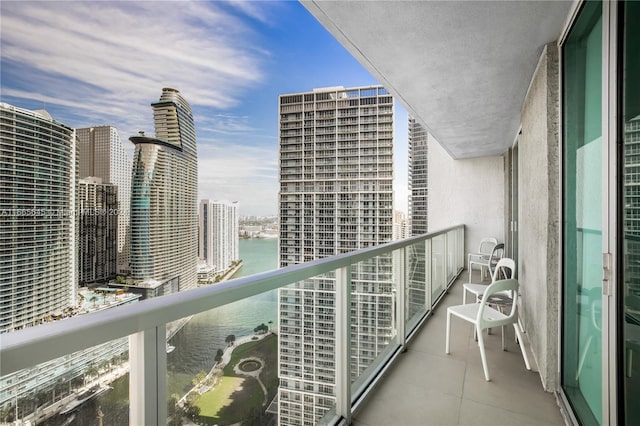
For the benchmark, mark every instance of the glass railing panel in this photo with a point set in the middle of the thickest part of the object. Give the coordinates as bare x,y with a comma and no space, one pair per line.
416,273
373,320
77,388
307,350
222,364
438,261
377,298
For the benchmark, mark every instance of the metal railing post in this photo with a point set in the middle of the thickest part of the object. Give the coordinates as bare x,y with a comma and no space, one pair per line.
428,276
399,277
343,343
148,377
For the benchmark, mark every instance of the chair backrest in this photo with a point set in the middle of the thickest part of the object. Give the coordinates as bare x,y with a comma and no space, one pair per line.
505,265
501,286
497,252
487,245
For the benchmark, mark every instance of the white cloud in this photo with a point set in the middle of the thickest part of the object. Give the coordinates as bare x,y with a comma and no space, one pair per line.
242,173
113,58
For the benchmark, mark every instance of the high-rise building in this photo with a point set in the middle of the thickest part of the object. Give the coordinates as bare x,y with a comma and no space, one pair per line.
218,237
631,192
418,212
336,178
164,190
400,225
103,155
418,178
37,200
97,216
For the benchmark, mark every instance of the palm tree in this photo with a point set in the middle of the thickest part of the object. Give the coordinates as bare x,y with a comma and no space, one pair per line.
270,323
92,371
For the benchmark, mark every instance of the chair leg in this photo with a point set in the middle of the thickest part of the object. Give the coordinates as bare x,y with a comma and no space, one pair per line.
464,295
469,272
446,341
522,349
483,355
504,346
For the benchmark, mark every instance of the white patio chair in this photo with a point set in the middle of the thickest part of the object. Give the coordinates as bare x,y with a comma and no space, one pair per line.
483,316
505,269
483,255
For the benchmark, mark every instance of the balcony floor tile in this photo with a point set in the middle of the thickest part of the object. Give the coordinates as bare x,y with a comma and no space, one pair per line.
428,387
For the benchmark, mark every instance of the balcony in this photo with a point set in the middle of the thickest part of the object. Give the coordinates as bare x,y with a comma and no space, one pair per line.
428,387
412,277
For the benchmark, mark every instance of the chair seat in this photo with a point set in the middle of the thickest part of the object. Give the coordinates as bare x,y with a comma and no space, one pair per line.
480,256
470,312
477,289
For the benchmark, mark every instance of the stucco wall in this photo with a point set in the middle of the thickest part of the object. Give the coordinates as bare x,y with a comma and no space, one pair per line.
538,202
469,192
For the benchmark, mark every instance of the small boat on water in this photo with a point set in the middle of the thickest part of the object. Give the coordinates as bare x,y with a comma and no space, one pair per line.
170,348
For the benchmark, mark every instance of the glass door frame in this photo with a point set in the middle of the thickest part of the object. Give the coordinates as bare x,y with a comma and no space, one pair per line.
610,214
611,108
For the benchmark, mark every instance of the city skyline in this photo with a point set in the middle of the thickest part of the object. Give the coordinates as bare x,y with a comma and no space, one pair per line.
231,60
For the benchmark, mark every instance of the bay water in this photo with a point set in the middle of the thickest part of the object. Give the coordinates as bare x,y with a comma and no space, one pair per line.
197,342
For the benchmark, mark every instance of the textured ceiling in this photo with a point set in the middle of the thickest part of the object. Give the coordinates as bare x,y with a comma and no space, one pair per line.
462,68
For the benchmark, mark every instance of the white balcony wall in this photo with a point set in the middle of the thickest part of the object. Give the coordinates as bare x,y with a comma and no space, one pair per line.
538,205
469,191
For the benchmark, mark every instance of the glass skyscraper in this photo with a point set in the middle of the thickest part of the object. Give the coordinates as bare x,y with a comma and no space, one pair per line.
102,155
164,190
38,227
336,178
97,230
218,242
418,178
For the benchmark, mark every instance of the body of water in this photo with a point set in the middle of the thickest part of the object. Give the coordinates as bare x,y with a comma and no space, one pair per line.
197,342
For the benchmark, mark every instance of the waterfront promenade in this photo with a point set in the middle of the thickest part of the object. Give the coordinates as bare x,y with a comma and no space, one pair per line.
201,388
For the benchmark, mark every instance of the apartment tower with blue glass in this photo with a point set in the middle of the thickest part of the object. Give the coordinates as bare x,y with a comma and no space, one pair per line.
37,202
164,190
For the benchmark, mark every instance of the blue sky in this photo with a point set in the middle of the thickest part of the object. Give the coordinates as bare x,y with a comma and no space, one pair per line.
100,62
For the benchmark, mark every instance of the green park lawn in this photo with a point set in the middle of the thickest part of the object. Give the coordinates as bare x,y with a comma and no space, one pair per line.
213,401
234,397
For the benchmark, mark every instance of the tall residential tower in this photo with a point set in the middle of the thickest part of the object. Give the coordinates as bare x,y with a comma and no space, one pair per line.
164,190
103,155
218,231
418,178
97,219
336,177
37,202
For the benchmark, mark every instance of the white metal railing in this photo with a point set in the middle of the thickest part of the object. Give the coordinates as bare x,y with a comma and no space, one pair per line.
425,265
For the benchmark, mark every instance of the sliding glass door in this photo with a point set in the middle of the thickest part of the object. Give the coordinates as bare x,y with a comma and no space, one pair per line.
582,214
629,310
